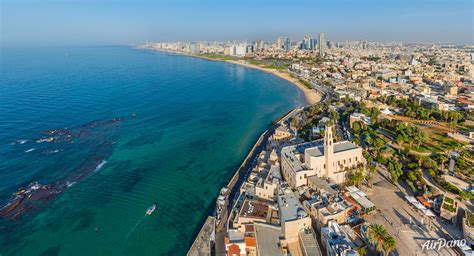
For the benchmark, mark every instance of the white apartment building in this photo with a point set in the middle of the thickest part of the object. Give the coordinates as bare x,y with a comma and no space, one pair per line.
238,50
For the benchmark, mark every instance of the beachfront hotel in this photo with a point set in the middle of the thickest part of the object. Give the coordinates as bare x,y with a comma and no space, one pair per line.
321,158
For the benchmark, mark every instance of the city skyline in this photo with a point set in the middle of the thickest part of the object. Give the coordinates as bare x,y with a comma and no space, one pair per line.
243,128
60,22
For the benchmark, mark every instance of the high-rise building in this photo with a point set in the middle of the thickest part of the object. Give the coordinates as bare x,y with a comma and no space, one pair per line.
241,50
308,43
331,45
322,44
279,42
232,50
287,44
259,45
312,44
302,45
249,48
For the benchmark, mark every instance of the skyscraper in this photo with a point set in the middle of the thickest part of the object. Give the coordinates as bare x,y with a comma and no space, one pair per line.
279,42
259,45
308,43
287,44
322,44
312,43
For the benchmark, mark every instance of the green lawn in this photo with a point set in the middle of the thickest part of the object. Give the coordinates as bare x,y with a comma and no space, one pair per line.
256,62
272,66
216,56
437,141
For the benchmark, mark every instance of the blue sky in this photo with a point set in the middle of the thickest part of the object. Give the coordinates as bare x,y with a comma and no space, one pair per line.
105,22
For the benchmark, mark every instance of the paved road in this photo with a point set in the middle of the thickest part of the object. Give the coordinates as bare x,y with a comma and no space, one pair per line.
409,228
202,243
328,93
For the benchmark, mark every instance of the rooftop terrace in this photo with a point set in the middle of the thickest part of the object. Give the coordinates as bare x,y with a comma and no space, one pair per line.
290,207
253,209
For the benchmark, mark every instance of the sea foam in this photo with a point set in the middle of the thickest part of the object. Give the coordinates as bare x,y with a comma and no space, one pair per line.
100,165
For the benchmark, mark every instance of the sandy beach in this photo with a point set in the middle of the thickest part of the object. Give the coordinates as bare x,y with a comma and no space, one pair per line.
311,96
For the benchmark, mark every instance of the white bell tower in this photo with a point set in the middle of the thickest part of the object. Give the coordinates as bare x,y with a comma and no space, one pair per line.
328,148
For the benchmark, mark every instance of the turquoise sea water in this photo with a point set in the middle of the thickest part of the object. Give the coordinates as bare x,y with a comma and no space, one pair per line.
195,122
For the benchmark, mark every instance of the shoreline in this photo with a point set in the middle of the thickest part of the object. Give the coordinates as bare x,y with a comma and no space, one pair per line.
311,96
234,184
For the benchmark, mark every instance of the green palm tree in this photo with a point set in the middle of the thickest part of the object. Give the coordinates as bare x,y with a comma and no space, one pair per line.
377,235
356,177
389,244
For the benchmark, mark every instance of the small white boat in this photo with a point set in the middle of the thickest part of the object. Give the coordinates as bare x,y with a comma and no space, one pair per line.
151,209
45,140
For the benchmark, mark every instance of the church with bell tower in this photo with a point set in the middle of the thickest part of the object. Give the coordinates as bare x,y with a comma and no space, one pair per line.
322,158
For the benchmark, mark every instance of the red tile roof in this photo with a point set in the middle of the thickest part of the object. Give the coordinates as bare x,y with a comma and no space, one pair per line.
234,250
464,100
250,242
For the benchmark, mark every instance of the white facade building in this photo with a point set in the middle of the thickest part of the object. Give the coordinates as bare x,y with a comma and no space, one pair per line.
324,159
238,50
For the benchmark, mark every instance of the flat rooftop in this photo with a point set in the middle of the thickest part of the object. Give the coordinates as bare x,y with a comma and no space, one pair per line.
321,184
274,174
343,146
362,200
253,209
290,207
316,151
338,147
334,208
289,153
268,238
